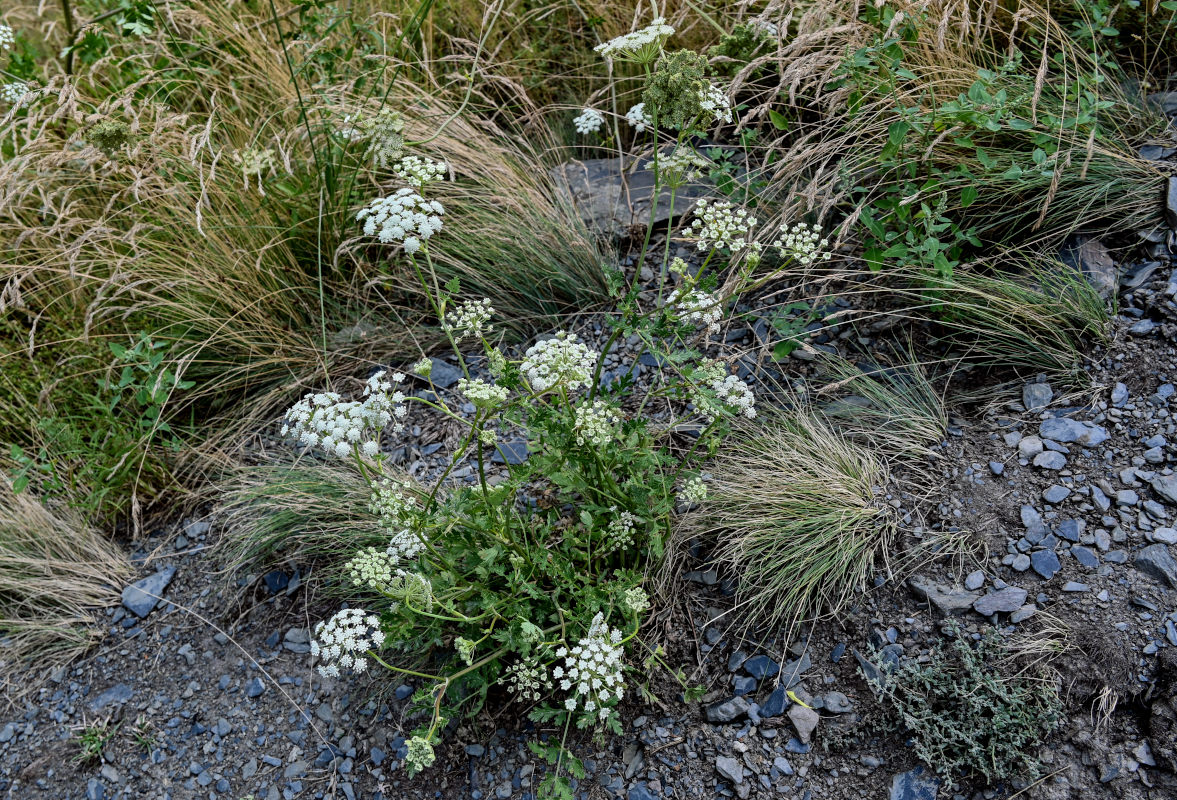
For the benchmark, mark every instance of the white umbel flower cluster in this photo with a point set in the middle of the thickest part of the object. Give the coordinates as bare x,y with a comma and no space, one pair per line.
693,491
592,670
7,37
682,166
483,395
636,599
588,121
714,101
696,306
721,224
419,172
638,119
383,132
640,46
256,162
324,420
404,545
344,640
13,93
596,424
469,319
527,679
803,244
729,391
562,360
371,568
619,534
393,503
404,217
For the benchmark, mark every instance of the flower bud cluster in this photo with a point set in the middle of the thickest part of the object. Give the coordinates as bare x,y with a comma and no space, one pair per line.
256,162
698,307
728,390
324,420
483,395
619,533
592,670
596,424
588,121
372,568
343,641
383,132
693,491
764,28
404,217
420,755
636,599
562,360
419,172
682,166
469,319
527,679
393,503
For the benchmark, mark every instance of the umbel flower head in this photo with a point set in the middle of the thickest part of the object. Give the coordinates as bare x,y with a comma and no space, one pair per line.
641,46
404,217
109,136
681,94
527,678
344,640
727,392
420,755
698,307
638,119
619,533
588,121
596,424
682,166
592,670
469,319
13,93
721,224
256,162
7,37
418,172
483,395
562,360
382,132
802,244
393,502
324,420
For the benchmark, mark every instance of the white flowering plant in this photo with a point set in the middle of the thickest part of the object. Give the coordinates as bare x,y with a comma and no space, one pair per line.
519,563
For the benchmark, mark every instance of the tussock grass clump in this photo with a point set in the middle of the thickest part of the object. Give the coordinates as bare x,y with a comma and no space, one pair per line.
54,571
799,512
972,711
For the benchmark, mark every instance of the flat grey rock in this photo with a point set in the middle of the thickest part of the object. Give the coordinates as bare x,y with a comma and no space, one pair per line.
1005,600
1050,460
1037,396
119,693
1045,563
142,596
1065,429
730,769
946,599
727,711
804,720
918,784
1158,563
1165,486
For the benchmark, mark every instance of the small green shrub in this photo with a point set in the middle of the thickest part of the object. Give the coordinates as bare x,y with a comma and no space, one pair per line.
971,711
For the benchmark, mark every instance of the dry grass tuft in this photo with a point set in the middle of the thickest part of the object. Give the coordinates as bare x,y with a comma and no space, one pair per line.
54,571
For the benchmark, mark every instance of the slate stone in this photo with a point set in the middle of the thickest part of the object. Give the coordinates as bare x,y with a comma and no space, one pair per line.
142,596
276,581
444,374
1085,556
119,693
1065,429
946,599
1005,600
761,667
1023,613
1021,562
730,769
996,467
777,703
804,720
1069,529
8,732
255,687
837,703
1165,486
1045,563
1157,562
1030,516
1119,395
1055,494
95,790
1037,396
513,451
793,670
918,784
727,711
743,685
1051,460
